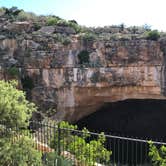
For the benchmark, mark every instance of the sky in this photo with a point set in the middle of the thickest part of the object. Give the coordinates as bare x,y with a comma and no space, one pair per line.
99,12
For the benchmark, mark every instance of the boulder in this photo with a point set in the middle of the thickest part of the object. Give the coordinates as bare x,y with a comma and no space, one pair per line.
65,30
19,27
47,30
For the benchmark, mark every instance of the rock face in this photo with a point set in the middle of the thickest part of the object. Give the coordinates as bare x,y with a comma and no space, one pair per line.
51,73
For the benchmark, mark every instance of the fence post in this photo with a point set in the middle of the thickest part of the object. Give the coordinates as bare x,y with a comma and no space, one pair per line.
59,162
59,137
54,141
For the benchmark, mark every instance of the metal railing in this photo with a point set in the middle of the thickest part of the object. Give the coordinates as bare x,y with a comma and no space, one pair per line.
67,147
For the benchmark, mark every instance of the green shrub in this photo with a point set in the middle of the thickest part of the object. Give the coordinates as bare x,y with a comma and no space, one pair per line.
14,108
62,22
52,158
27,16
85,152
20,153
37,26
153,35
16,148
51,21
83,57
13,71
75,26
158,156
2,11
88,36
73,21
66,41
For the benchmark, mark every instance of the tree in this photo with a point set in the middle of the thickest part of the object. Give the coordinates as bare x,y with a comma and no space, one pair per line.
14,108
153,35
16,147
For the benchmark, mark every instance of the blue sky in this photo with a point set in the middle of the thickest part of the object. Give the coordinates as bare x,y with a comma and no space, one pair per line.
99,12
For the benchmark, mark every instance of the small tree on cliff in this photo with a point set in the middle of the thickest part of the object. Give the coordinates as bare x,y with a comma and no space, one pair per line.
15,148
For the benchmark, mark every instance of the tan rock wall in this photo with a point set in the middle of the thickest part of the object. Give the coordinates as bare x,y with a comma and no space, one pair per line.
129,69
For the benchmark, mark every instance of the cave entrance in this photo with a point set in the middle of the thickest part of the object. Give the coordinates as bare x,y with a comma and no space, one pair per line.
142,118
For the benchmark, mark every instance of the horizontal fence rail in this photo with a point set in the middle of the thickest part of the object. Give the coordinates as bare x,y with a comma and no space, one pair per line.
65,146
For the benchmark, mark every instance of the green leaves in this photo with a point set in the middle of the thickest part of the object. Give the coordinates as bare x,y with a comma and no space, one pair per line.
153,35
15,110
158,156
13,71
87,150
20,152
16,148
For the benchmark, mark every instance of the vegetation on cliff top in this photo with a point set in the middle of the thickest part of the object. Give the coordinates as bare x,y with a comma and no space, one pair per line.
114,32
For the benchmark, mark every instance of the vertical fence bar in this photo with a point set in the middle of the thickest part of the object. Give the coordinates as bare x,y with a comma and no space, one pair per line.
55,143
59,137
132,158
141,153
122,152
118,152
136,152
146,152
114,153
127,151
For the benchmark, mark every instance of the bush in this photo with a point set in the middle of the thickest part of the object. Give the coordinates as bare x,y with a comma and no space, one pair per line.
66,41
86,152
158,156
21,152
37,26
153,35
13,71
51,21
2,11
73,21
62,22
75,26
16,148
14,108
27,16
88,36
83,57
52,158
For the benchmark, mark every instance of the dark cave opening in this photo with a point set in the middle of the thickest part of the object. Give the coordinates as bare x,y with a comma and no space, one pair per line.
141,118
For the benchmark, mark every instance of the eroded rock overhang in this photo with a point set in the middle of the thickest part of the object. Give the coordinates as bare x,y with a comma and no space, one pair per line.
117,70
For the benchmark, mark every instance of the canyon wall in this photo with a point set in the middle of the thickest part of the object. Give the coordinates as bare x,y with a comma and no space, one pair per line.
54,77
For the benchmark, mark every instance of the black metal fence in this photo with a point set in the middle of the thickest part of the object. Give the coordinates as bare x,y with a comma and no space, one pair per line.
65,147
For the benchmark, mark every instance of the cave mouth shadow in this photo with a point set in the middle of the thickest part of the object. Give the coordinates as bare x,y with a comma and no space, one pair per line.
141,118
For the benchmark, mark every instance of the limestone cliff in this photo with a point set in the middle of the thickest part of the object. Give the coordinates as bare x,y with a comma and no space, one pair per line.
55,76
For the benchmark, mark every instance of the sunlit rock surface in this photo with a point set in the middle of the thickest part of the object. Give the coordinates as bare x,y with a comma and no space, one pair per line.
53,77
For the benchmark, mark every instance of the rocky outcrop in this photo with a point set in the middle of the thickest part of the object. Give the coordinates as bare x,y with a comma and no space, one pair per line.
49,68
